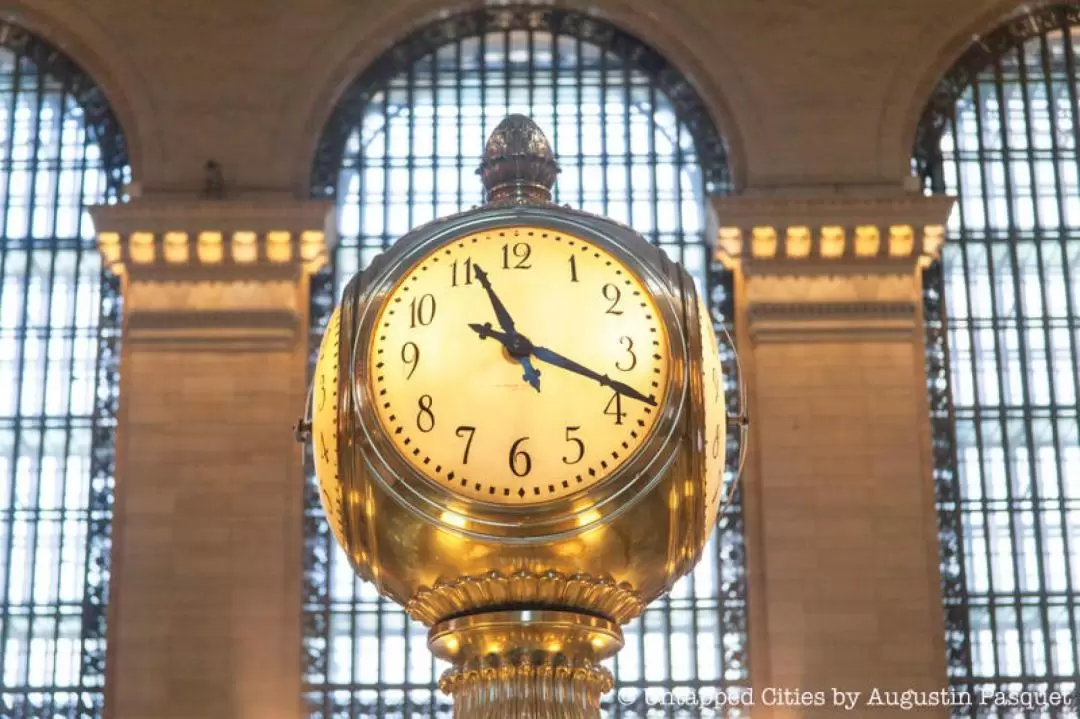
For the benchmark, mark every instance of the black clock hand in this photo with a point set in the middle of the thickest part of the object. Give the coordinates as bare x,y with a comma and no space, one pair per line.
500,310
554,358
516,345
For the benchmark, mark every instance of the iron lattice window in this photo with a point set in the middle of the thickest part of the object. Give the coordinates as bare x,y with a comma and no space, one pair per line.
402,148
1002,133
61,150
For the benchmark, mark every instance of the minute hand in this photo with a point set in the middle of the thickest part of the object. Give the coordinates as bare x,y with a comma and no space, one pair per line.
554,358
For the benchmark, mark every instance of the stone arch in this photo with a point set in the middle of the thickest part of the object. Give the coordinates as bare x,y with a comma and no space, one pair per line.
363,40
78,37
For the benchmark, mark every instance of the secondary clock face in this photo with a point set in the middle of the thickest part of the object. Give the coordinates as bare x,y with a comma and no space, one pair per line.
518,365
715,414
324,427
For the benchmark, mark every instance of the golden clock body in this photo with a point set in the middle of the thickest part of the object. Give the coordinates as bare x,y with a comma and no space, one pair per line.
461,485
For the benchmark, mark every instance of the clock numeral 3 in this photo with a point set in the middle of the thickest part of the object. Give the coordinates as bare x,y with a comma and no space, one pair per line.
421,310
580,446
468,442
520,461
519,254
632,361
466,270
614,408
612,294
425,418
410,355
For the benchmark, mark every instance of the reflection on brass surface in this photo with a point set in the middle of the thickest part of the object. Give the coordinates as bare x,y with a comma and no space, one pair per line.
615,600
539,664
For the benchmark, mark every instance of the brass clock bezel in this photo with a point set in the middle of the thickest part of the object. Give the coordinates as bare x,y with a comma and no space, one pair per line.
550,519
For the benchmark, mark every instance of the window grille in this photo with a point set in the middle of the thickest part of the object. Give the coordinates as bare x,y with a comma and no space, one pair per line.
61,149
634,143
1003,337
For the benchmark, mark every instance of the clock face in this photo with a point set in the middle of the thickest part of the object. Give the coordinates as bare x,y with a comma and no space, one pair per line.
324,427
518,365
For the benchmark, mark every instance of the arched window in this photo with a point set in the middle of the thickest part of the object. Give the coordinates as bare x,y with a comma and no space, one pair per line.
61,150
1002,132
401,148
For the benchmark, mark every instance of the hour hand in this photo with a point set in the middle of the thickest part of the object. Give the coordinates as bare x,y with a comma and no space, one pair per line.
500,309
554,358
516,346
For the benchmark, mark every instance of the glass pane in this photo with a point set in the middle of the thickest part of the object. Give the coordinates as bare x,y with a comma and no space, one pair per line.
59,325
1003,329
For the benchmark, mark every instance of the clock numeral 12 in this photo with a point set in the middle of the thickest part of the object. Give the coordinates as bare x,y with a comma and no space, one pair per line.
520,252
614,408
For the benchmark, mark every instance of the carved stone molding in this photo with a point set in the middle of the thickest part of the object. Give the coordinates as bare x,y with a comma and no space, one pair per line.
224,275
828,236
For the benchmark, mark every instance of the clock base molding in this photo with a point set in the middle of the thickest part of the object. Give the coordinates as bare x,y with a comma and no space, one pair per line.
617,601
541,664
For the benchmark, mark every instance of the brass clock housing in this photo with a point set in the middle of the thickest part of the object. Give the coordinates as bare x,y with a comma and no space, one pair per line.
580,563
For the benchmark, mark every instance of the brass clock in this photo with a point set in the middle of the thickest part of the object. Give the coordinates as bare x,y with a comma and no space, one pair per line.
519,428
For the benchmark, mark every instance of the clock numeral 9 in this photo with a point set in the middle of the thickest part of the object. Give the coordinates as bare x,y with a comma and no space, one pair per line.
425,418
716,443
421,310
519,252
466,268
520,461
468,442
580,446
614,408
410,355
631,363
612,294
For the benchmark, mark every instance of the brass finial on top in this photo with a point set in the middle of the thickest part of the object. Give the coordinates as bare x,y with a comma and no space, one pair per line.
518,164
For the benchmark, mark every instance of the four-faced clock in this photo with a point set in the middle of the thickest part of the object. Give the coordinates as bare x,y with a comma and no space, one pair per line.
518,365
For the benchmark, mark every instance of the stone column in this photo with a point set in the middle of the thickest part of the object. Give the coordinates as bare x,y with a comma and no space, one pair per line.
205,597
842,531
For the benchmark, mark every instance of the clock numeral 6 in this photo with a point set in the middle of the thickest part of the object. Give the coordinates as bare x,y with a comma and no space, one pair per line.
468,442
580,446
410,355
520,461
421,310
425,418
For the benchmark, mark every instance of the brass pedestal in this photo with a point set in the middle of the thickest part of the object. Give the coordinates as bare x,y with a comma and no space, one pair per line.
526,664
